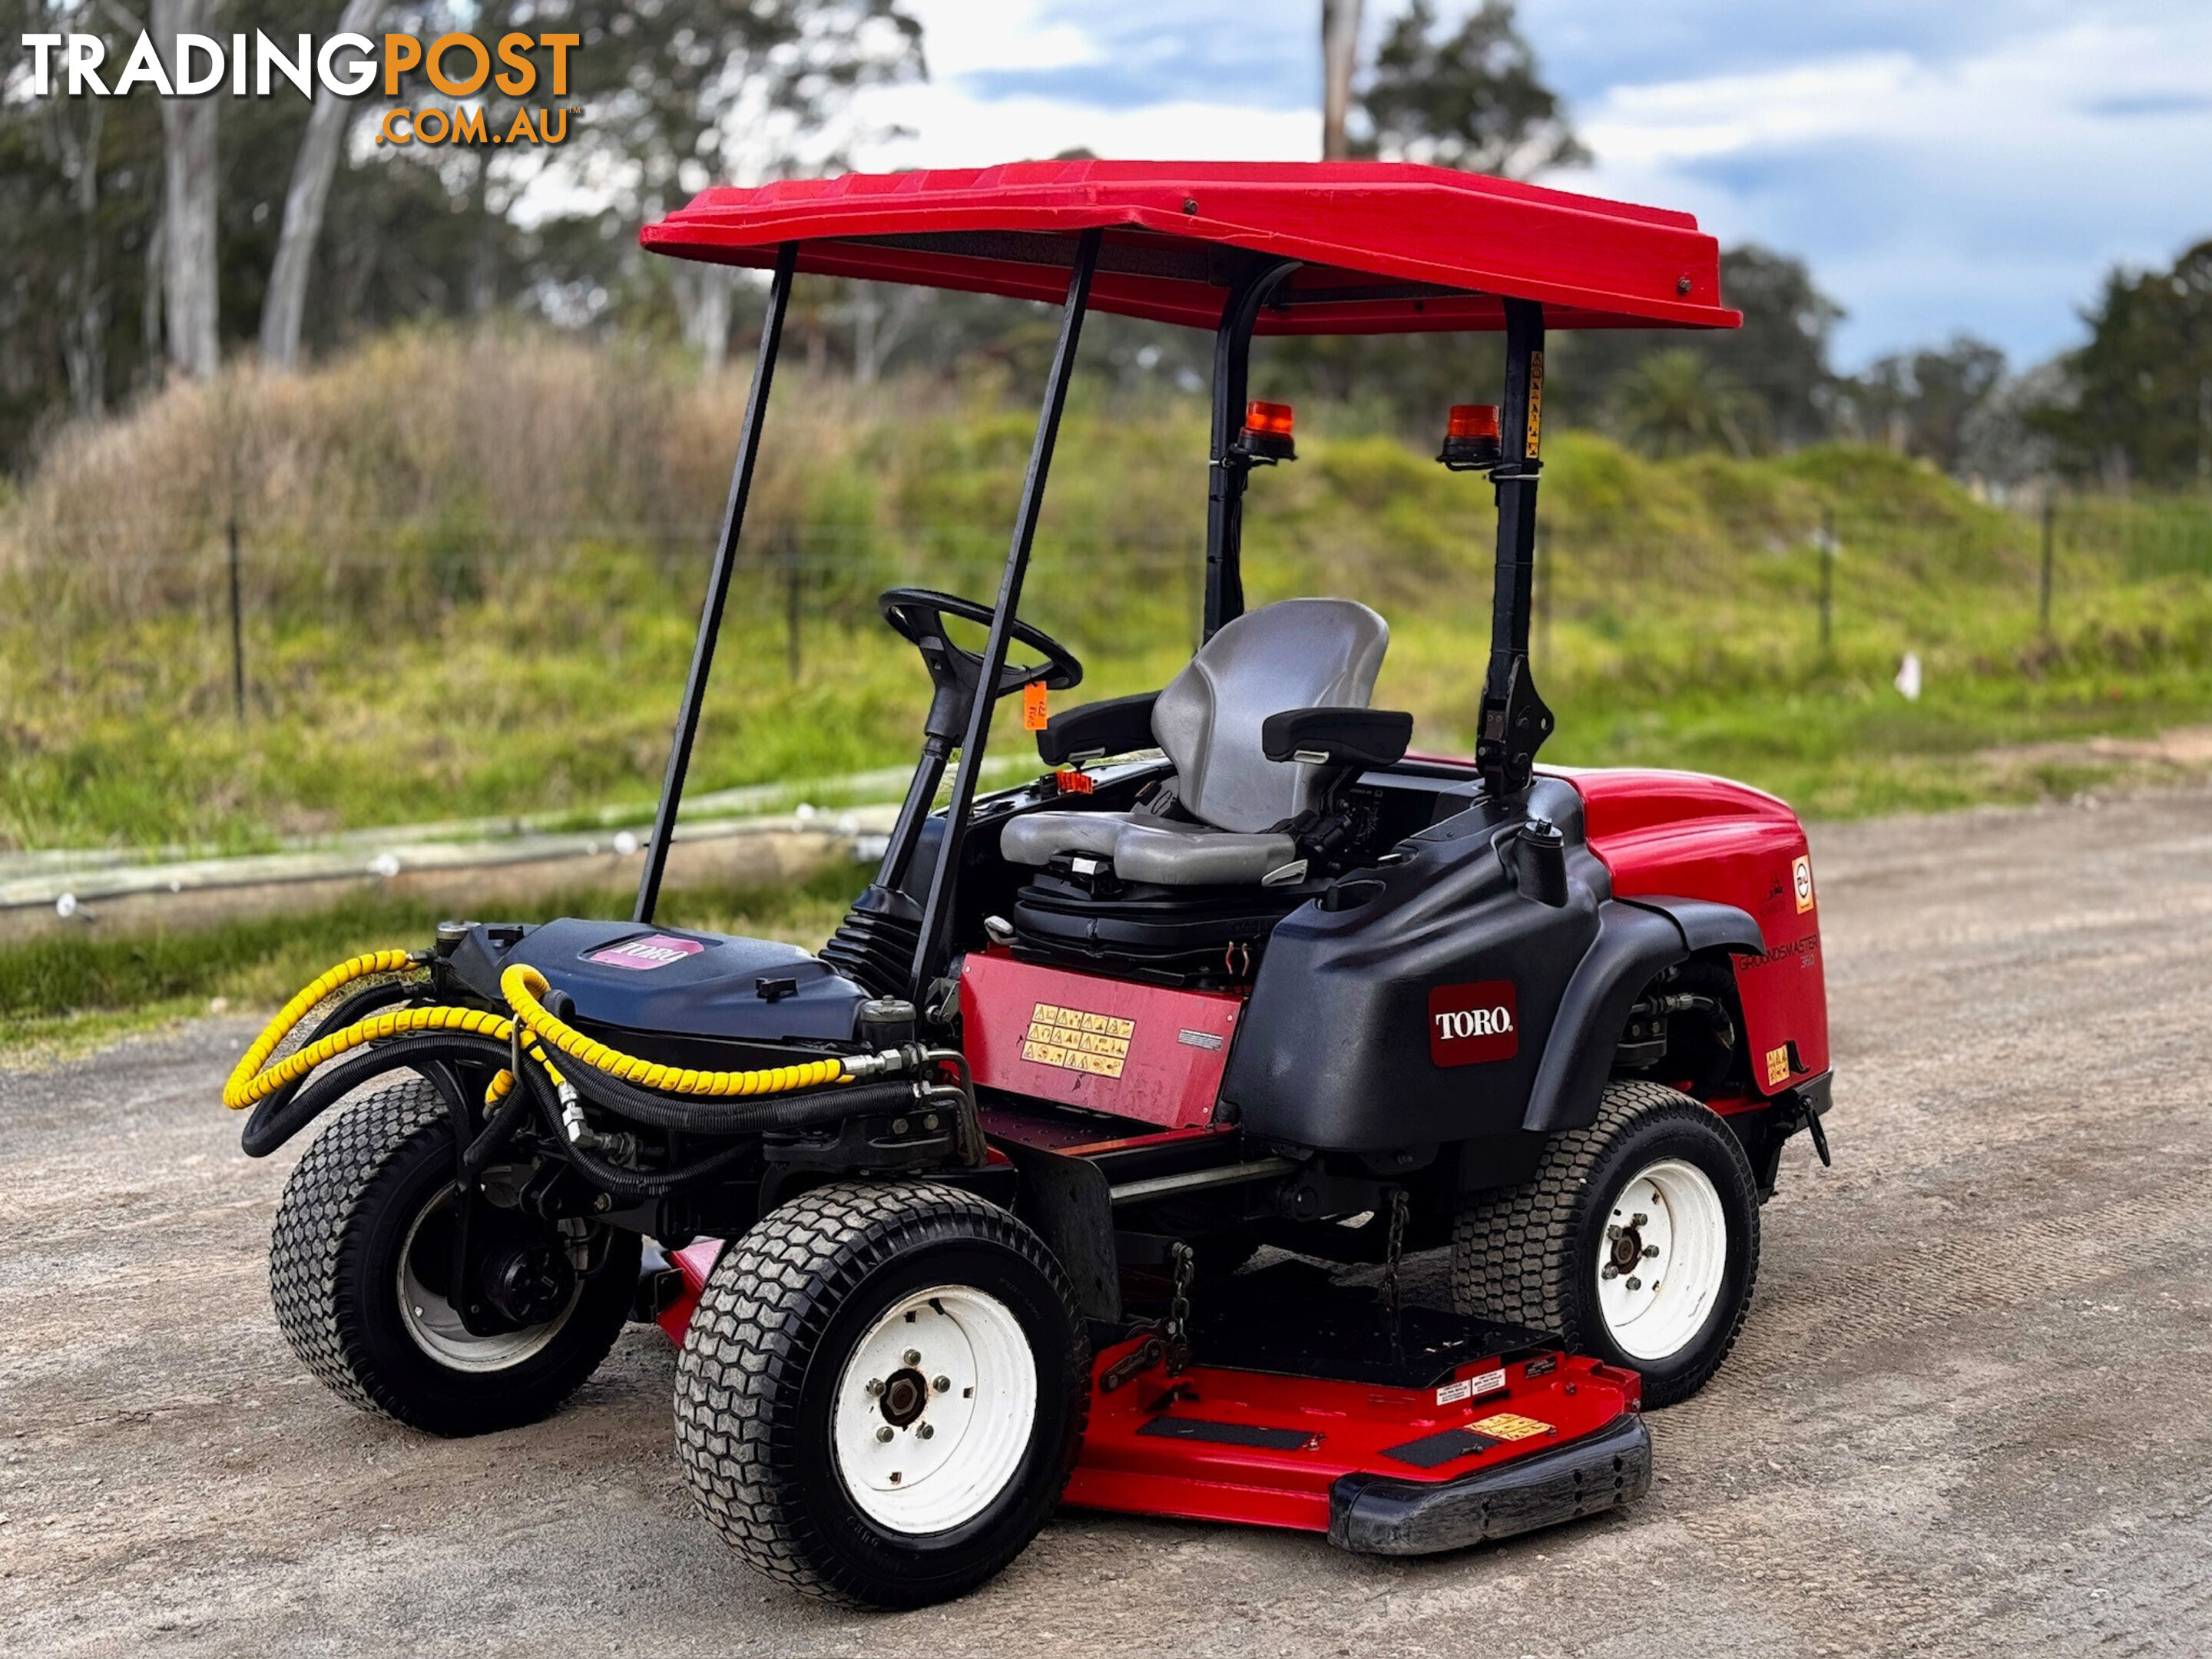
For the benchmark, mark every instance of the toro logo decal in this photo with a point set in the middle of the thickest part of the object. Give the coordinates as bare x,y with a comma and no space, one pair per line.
1471,1023
655,950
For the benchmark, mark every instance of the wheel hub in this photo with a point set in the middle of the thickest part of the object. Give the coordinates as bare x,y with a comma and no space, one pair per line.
530,1283
904,1394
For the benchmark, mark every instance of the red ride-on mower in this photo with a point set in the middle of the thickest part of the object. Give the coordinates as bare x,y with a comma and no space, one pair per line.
1240,969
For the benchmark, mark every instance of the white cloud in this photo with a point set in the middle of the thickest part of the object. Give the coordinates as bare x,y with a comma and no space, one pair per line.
952,128
1988,194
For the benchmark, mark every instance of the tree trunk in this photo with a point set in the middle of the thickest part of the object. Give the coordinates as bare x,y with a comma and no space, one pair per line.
712,318
84,341
285,308
1339,53
189,200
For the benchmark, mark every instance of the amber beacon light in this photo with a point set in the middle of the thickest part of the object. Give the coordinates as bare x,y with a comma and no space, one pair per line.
1267,435
1471,438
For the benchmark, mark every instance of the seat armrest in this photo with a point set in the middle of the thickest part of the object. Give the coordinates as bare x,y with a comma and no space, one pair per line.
1337,736
1112,728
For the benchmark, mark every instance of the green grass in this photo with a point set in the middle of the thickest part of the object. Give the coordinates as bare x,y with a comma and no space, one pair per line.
1679,627
59,996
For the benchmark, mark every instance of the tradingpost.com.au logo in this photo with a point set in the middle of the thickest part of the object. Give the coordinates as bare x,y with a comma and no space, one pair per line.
458,66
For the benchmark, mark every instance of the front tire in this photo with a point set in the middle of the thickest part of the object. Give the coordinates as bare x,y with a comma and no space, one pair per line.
357,1267
1636,1241
882,1392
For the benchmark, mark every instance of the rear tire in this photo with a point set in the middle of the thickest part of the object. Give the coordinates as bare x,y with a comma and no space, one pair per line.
356,1269
882,1392
1636,1241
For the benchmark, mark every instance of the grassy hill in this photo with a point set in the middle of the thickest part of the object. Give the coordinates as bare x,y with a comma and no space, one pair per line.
470,567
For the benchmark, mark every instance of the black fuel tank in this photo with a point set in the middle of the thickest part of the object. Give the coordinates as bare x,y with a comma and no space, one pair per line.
1421,1015
666,980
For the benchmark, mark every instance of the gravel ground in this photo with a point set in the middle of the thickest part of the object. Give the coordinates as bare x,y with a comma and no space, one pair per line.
1970,1413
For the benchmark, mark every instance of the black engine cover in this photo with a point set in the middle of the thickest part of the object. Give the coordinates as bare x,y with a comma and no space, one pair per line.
1341,1046
668,980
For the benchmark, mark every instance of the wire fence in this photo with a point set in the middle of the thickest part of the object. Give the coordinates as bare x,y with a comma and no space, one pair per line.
243,579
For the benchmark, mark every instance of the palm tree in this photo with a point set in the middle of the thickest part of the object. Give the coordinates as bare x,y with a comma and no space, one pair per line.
1674,402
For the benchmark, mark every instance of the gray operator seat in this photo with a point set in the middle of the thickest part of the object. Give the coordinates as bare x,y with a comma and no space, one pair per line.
1230,797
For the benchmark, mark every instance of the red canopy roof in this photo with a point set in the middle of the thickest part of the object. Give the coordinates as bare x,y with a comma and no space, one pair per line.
1389,247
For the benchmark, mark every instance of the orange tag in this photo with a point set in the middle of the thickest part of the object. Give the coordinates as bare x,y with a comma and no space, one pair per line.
1033,713
1073,783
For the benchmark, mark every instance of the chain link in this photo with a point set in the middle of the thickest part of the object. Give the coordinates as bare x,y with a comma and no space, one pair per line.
1399,1204
1177,1331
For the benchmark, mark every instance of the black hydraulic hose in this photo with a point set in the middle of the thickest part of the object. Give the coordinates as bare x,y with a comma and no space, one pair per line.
497,1133
276,1119
707,1116
622,1184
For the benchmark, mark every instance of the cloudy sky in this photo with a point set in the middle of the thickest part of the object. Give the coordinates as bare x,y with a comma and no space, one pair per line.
1943,165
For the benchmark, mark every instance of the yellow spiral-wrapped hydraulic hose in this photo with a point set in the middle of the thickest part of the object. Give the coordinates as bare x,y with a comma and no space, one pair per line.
522,986
255,1079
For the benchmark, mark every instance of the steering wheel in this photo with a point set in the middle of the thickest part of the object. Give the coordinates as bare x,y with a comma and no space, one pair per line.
917,615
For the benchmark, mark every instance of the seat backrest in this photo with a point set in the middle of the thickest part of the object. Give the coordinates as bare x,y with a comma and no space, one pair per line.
1296,653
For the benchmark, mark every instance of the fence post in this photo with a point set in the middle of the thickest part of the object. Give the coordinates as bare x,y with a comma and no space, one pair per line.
2050,538
237,633
791,605
1827,579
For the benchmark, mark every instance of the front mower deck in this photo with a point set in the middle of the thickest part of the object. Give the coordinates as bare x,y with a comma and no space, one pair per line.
1309,1406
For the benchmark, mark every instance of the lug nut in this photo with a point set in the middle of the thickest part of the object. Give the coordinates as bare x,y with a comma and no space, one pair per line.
875,1387
1635,1284
1650,1252
1612,1233
1639,1219
912,1355
942,1384
884,1432
922,1431
1609,1271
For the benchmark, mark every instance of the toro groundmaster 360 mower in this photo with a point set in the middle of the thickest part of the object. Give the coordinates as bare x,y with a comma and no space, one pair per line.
1237,969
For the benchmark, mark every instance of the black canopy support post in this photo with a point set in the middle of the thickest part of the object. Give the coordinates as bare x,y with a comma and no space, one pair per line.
1515,721
718,586
1229,467
937,913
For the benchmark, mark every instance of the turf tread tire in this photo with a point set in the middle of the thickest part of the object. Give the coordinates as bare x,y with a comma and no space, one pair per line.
314,1263
766,1305
1512,1251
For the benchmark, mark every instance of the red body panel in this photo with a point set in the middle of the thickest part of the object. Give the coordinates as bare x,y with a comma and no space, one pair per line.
1353,1425
1593,263
695,1261
1138,1051
1678,835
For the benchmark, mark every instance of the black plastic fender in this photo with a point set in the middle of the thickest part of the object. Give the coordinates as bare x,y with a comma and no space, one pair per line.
1709,926
1632,944
1636,938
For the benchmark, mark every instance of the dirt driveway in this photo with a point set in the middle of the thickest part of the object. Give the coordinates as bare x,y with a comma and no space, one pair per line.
1971,1412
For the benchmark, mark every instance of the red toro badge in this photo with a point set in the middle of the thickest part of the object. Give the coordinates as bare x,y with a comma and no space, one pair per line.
1471,1023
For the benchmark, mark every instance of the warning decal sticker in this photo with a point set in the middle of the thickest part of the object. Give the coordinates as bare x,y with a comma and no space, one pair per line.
1076,1041
1800,878
1510,1425
1778,1066
1467,1388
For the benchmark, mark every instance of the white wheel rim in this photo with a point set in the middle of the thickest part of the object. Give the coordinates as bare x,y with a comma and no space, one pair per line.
1662,1261
947,1455
435,1324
